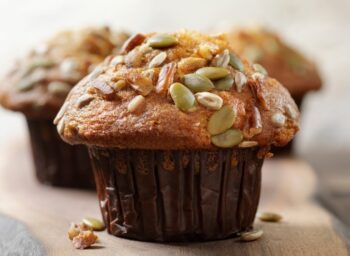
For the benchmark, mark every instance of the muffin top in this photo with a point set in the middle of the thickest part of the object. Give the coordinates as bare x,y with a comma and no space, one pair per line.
38,84
297,73
184,90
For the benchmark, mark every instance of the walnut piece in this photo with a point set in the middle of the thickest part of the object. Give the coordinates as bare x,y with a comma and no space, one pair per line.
81,235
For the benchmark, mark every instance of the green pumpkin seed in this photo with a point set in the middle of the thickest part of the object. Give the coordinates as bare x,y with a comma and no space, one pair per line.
251,235
260,69
95,224
162,41
228,139
182,97
213,73
198,83
224,83
270,217
221,120
209,100
236,62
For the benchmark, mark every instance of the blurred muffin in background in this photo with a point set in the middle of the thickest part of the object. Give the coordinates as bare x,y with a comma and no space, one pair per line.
295,71
37,86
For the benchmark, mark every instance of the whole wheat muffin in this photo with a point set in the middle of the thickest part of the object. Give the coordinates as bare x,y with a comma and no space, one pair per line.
37,86
177,127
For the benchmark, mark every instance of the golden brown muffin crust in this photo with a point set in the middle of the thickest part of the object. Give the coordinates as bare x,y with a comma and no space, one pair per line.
297,73
98,110
39,83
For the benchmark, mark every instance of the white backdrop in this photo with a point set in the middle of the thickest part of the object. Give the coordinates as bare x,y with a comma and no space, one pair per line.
320,27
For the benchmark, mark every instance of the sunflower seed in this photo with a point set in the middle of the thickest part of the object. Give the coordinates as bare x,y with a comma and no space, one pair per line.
182,97
93,223
190,64
117,60
198,83
119,85
251,235
60,126
137,104
248,144
221,120
260,69
209,100
225,83
270,217
236,62
60,113
157,60
59,88
84,100
291,112
162,41
240,81
221,60
227,139
213,73
278,119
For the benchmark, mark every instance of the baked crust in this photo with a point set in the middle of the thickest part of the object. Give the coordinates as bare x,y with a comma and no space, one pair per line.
62,61
295,71
104,120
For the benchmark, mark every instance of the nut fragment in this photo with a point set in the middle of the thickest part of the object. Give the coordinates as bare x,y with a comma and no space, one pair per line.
278,119
225,83
209,100
248,144
105,89
198,83
162,41
132,42
59,88
84,100
213,72
84,240
119,85
190,64
270,217
142,84
182,97
206,50
221,120
166,77
240,81
137,104
227,139
221,60
251,235
157,60
93,223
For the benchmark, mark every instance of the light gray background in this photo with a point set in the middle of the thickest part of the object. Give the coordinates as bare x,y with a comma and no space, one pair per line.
321,28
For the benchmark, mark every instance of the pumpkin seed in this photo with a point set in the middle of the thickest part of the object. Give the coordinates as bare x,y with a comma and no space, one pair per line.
213,72
270,217
224,83
197,83
248,144
236,62
157,60
209,100
162,41
59,88
137,104
221,120
182,96
253,53
227,139
95,224
84,100
260,69
251,235
278,119
119,85
221,60
240,81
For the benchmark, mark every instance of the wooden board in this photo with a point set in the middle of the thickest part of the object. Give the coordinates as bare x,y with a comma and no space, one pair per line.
288,188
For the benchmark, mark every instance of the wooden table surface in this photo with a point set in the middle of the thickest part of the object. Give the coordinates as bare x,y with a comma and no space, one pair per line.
288,188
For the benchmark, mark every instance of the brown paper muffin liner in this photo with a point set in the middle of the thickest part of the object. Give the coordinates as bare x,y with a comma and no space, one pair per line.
56,162
177,195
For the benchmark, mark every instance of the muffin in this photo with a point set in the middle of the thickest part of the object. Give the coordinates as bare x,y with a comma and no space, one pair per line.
178,126
295,71
37,86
